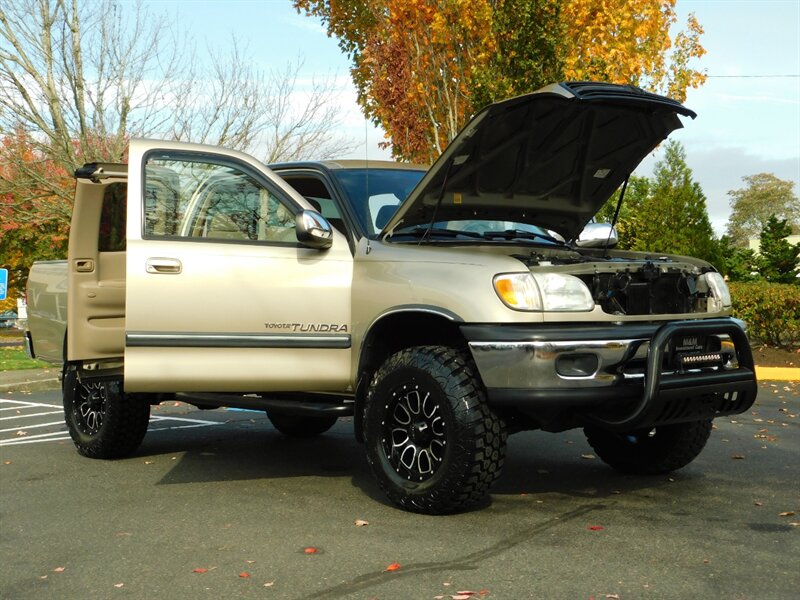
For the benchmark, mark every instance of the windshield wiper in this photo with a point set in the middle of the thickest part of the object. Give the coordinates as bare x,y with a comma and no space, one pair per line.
512,234
421,231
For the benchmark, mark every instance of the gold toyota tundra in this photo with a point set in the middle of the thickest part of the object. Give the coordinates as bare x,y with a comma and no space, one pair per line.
442,308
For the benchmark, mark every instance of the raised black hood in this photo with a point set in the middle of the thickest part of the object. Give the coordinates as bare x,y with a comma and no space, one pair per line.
550,158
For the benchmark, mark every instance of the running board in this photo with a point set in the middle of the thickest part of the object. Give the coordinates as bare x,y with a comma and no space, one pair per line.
309,405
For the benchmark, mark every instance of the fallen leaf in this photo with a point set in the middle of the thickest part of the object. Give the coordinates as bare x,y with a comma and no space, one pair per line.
788,513
612,596
249,562
596,528
467,592
310,550
269,584
199,570
244,574
738,456
59,569
42,576
118,585
361,523
6,462
759,503
461,597
392,567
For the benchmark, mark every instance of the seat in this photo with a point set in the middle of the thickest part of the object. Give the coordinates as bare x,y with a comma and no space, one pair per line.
223,227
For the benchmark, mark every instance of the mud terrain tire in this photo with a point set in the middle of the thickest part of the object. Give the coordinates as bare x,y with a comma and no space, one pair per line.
433,443
103,421
654,451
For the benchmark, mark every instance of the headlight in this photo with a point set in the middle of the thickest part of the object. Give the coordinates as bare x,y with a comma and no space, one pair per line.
518,291
720,294
543,292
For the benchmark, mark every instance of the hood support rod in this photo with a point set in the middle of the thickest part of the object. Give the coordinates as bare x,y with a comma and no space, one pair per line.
616,212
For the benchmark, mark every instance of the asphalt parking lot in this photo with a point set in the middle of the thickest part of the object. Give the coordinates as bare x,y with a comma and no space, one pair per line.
218,504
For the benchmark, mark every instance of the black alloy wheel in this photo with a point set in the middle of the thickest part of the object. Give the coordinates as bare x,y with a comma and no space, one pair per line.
432,442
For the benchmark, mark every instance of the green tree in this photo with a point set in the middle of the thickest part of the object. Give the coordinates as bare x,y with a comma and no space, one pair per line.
752,206
667,213
675,218
737,263
629,218
778,259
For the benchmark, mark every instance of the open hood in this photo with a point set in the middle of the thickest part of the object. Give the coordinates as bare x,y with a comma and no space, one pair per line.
550,158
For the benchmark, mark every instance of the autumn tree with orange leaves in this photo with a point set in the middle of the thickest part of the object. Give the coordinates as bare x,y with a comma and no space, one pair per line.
423,67
34,221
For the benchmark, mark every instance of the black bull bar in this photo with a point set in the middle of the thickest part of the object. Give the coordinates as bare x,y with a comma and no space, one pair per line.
671,397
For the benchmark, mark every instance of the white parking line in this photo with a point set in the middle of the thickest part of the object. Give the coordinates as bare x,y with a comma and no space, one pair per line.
62,434
65,436
26,405
34,437
32,426
52,412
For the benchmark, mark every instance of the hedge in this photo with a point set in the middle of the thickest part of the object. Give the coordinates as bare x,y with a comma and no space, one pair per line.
771,311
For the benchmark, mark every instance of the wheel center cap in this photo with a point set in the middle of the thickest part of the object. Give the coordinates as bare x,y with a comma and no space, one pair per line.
421,433
95,401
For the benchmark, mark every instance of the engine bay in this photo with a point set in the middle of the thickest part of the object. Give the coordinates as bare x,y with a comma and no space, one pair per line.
626,286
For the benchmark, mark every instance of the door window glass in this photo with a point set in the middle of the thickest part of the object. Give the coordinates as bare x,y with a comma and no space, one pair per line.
113,218
187,198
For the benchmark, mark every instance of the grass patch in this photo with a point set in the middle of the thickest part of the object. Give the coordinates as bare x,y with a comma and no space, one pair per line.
14,359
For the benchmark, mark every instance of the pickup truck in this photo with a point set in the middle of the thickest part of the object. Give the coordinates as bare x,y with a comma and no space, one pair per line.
441,308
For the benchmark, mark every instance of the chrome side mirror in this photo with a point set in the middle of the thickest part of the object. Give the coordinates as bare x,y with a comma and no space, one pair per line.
597,235
313,230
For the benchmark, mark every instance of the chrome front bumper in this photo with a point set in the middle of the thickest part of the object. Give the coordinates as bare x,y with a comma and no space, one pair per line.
533,364
533,367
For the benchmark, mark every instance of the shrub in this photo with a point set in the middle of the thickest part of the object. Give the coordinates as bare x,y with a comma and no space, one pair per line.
771,311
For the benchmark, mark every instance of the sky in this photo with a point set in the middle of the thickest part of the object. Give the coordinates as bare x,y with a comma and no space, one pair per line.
748,110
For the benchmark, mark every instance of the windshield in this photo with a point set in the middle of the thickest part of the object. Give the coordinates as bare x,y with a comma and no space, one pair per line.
375,194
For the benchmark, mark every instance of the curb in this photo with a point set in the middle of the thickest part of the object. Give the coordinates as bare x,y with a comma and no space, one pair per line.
778,374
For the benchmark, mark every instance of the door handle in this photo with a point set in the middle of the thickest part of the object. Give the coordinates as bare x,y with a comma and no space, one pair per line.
161,266
84,265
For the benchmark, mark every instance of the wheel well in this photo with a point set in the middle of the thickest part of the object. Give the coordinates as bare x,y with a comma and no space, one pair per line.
393,333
